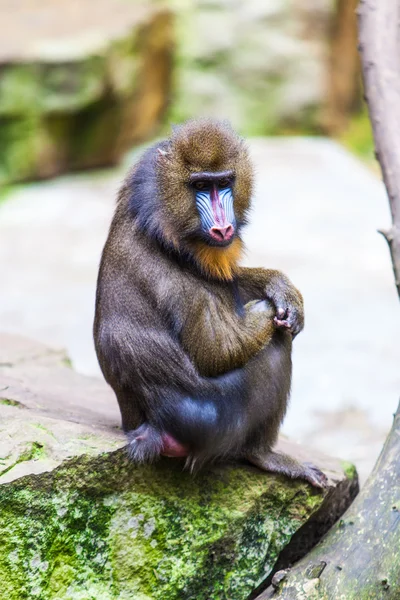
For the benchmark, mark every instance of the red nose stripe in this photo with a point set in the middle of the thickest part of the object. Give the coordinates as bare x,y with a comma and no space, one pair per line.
218,208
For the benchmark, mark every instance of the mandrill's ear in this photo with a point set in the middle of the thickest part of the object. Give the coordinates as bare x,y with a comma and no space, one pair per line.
162,152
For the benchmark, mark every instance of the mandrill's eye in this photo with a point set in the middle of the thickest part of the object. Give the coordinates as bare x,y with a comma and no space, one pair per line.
199,185
224,183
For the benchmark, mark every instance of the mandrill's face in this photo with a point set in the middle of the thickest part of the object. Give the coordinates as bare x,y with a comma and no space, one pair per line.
205,180
213,194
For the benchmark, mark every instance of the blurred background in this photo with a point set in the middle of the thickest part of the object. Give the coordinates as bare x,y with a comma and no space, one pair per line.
86,84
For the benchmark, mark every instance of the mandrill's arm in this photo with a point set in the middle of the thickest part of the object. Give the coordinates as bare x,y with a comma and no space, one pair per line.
256,284
218,340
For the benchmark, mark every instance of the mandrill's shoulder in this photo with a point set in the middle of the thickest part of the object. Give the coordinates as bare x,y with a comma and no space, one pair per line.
142,263
139,190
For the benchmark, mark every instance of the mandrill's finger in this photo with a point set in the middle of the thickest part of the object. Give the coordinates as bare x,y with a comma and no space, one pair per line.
281,313
282,323
290,322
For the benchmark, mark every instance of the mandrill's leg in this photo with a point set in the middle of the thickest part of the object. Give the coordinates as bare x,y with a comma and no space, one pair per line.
146,443
276,462
269,374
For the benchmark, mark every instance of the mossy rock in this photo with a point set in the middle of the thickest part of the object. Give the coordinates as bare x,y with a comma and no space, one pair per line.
84,84
79,521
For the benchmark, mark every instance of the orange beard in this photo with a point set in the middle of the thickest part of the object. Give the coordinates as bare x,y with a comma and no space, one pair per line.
219,263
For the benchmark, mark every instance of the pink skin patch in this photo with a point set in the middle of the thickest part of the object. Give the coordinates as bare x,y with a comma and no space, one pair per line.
172,448
281,320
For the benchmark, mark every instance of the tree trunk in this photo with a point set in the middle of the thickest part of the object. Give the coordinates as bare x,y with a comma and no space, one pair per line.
380,51
344,83
360,556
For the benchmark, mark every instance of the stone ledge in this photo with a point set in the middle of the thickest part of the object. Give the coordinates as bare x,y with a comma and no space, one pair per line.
77,520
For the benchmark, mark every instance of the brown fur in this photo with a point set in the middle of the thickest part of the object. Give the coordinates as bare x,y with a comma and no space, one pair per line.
196,348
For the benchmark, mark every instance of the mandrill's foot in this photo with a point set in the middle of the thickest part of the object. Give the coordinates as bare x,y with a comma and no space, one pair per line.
284,464
146,444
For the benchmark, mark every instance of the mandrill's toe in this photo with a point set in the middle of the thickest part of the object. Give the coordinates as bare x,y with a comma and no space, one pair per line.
314,476
144,444
277,462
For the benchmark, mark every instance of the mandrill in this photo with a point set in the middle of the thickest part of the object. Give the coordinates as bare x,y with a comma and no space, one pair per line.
196,348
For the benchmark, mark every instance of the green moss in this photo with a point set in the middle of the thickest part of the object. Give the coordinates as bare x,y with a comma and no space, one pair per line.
358,136
32,451
65,114
203,544
51,543
68,87
41,427
9,402
33,137
19,89
349,470
19,139
102,529
5,188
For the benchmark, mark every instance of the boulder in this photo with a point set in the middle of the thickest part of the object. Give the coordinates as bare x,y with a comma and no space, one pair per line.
79,82
79,521
261,64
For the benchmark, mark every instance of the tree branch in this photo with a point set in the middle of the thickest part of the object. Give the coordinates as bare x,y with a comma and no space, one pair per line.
380,53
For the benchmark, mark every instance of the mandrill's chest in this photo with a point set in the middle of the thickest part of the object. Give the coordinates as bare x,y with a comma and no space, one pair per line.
215,304
210,321
185,295
202,313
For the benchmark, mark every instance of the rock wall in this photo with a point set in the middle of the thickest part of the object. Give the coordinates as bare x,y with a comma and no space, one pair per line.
78,86
260,63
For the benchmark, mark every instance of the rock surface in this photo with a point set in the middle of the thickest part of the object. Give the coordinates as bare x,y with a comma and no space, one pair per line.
79,82
263,64
77,520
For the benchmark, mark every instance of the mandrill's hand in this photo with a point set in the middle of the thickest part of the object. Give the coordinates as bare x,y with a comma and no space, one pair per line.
288,303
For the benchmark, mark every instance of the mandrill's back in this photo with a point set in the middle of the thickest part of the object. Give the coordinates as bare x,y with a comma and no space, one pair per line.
133,291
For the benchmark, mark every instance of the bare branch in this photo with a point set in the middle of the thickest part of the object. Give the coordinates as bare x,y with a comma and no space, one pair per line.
380,52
